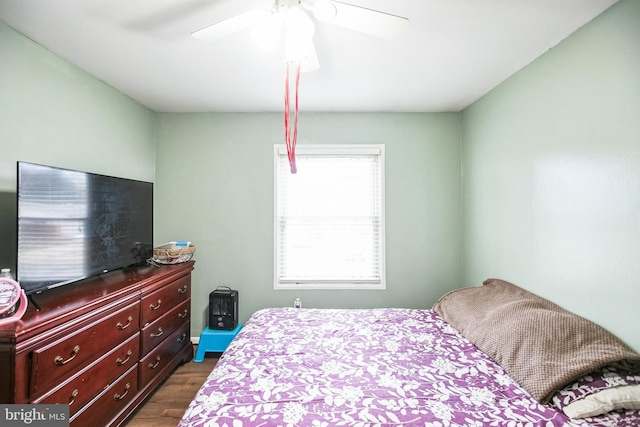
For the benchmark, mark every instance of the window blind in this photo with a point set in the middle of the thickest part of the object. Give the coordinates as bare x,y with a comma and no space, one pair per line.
330,217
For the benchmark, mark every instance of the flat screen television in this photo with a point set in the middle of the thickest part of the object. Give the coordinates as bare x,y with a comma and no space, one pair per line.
73,225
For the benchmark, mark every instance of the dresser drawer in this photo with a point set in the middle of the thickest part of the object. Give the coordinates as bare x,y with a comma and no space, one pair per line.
161,301
159,359
85,385
68,355
156,332
110,403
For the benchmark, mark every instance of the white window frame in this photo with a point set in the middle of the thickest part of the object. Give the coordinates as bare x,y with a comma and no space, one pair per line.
281,166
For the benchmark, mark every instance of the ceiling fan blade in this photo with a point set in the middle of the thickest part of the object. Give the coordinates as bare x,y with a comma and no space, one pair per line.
369,21
231,25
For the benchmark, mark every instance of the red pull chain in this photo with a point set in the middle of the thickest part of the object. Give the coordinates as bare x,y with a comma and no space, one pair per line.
290,138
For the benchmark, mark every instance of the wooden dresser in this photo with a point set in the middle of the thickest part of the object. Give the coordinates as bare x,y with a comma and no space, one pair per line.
101,345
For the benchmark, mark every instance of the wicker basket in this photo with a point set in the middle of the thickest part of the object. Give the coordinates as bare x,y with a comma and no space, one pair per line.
173,253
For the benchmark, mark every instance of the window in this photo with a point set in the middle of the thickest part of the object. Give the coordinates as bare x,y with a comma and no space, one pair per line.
329,218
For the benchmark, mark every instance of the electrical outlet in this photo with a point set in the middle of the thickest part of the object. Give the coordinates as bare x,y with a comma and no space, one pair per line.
297,303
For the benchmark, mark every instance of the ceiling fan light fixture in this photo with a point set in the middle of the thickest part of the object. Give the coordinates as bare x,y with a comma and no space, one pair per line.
298,23
266,32
299,30
310,60
324,10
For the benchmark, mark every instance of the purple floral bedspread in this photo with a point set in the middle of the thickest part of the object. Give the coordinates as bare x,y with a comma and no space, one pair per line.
325,368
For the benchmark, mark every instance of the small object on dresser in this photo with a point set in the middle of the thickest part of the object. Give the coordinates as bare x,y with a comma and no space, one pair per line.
13,301
6,273
173,253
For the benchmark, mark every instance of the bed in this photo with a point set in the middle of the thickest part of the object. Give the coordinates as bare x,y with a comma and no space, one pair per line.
423,367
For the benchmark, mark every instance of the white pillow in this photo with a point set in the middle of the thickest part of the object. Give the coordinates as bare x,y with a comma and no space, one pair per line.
611,399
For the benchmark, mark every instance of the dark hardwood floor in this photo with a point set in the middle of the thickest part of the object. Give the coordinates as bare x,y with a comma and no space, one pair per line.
164,408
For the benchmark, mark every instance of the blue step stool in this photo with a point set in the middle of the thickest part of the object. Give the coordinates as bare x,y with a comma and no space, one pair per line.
214,341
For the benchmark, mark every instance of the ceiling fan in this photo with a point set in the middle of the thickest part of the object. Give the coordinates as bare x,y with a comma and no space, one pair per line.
294,17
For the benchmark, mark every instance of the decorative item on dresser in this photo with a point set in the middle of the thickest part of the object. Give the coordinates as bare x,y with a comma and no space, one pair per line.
102,347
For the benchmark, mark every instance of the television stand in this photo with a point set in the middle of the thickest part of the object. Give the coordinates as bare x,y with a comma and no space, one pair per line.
34,302
101,345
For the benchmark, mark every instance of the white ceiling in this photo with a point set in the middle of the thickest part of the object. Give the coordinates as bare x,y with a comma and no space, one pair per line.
453,52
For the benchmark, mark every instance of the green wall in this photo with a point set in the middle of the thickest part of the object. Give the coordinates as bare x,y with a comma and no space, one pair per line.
215,188
552,179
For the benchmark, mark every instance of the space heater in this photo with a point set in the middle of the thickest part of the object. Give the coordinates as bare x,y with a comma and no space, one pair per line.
223,308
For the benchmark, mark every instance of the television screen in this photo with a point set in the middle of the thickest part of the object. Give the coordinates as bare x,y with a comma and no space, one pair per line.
73,225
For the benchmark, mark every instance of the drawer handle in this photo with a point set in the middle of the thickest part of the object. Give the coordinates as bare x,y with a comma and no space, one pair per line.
182,338
155,307
74,394
117,396
121,362
60,361
183,314
120,326
183,289
154,365
154,334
